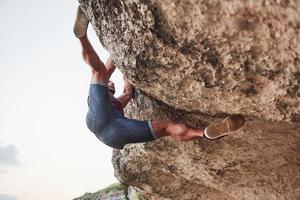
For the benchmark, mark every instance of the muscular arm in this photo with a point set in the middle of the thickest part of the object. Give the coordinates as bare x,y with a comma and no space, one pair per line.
110,68
128,92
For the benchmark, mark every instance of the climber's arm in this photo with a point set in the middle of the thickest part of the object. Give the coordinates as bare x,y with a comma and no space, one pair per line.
110,68
128,93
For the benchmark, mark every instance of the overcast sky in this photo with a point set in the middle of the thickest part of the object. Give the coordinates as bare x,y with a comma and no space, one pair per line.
46,151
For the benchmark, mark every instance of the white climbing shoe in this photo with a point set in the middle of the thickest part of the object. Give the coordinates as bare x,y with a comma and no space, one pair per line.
81,23
228,125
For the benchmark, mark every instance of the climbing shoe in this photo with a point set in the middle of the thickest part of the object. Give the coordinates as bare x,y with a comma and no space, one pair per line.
228,125
81,23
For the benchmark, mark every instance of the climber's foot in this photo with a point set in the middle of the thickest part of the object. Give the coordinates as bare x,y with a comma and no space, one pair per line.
81,23
227,126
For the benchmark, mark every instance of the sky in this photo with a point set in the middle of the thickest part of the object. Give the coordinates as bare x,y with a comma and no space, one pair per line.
46,151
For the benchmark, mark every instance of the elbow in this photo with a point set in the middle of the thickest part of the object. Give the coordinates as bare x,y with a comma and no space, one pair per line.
129,94
128,90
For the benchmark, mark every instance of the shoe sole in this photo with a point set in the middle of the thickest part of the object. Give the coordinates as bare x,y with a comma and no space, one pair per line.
229,125
81,23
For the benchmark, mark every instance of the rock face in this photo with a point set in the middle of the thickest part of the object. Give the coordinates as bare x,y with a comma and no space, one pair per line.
261,161
207,56
196,61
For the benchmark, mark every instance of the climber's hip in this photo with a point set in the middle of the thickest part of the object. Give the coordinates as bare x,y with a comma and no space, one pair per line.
109,125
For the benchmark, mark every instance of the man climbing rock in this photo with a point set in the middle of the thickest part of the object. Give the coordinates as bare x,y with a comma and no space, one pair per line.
105,117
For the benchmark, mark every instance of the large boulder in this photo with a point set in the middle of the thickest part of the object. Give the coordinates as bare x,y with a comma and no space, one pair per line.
261,161
197,61
207,56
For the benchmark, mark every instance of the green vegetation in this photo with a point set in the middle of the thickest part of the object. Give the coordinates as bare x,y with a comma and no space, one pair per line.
115,187
88,196
112,188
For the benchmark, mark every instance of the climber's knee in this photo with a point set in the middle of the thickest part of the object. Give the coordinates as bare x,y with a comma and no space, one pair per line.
177,131
180,129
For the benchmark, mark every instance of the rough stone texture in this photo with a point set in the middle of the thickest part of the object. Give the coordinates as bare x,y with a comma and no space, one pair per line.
207,56
196,61
261,161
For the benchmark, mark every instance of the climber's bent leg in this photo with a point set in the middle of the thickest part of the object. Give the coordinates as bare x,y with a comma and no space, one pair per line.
90,56
100,111
124,131
109,125
178,131
88,53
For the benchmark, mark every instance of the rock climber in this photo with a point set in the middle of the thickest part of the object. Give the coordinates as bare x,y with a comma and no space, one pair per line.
105,117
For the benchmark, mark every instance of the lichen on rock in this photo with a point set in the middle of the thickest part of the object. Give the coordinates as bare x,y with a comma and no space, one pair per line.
197,61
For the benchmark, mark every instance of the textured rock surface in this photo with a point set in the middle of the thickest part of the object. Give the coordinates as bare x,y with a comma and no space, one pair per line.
196,61
262,161
207,56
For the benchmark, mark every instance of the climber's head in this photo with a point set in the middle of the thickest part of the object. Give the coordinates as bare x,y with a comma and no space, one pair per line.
111,87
